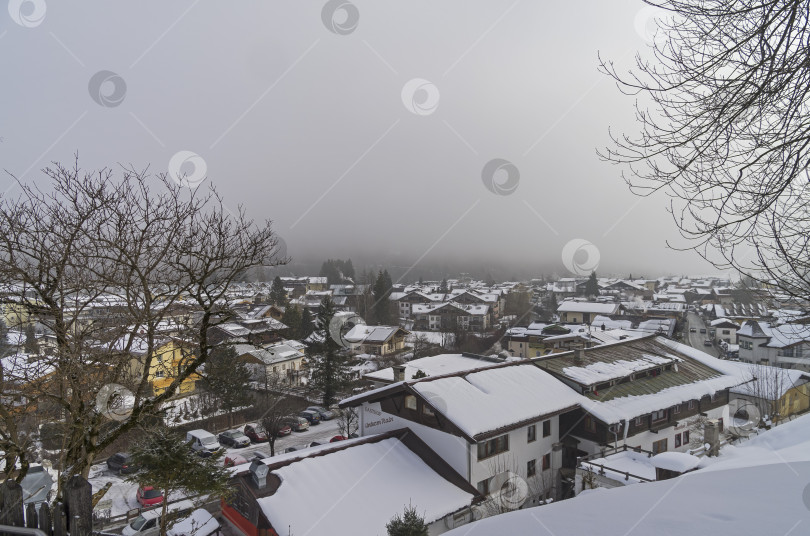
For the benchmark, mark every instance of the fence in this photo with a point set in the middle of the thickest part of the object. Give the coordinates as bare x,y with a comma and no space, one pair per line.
74,516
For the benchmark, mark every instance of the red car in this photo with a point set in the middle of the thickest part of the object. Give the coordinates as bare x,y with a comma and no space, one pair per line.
234,459
149,496
256,433
337,438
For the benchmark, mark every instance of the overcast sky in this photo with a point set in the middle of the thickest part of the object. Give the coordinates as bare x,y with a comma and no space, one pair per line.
404,131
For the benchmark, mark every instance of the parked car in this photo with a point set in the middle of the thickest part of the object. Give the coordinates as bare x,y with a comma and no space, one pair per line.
121,463
337,438
280,429
311,416
148,523
692,330
707,342
199,523
298,424
235,459
202,442
703,330
315,444
323,413
148,496
256,455
256,433
233,438
290,449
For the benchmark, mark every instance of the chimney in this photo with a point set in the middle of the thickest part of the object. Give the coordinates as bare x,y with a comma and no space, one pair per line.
399,373
711,435
258,472
579,355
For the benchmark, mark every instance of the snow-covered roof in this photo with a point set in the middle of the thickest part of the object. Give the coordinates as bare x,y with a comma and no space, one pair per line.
675,461
362,333
724,321
617,465
574,306
753,489
498,397
341,491
436,365
780,336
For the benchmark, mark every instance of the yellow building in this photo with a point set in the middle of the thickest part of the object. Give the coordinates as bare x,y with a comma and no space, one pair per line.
166,364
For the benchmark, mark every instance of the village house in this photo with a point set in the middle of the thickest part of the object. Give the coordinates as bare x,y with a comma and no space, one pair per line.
725,330
494,426
296,493
784,346
448,316
645,393
376,340
167,362
775,393
280,361
582,312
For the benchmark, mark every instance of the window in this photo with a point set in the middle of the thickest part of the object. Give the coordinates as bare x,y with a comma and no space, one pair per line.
691,404
531,433
547,461
686,437
427,410
546,428
483,487
677,440
410,402
659,415
659,446
493,447
590,424
160,373
676,409
640,421
531,468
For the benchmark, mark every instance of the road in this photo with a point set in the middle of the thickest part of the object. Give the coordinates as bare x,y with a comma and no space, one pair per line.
696,339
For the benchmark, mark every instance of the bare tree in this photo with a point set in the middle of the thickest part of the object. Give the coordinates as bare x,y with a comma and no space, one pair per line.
104,264
348,422
276,405
727,135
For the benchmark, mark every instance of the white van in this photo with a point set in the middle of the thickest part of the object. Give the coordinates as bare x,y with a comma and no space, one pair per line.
202,442
148,523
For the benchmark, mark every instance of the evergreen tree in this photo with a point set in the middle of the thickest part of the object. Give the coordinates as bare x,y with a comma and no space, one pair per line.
278,296
383,308
421,280
408,524
348,269
168,464
443,288
31,346
307,324
328,365
292,319
227,379
592,286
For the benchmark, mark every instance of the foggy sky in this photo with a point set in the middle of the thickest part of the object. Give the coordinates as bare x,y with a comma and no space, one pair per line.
300,118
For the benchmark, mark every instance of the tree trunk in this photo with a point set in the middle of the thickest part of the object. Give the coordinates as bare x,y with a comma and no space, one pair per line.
11,504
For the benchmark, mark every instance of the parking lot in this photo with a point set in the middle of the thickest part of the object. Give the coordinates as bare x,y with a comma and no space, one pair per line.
122,494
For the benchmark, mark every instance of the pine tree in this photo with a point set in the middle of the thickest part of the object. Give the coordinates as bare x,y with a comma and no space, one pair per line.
227,379
292,319
408,524
278,296
592,286
348,269
307,325
443,288
328,366
383,308
169,465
